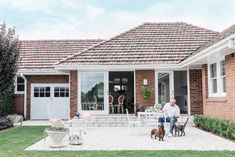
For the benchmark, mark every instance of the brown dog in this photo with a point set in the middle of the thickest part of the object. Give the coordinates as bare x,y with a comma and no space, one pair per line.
160,133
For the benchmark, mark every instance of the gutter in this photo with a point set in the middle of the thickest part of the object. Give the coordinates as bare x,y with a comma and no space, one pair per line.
25,94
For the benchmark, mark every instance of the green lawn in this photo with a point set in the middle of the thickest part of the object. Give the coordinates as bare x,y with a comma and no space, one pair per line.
15,140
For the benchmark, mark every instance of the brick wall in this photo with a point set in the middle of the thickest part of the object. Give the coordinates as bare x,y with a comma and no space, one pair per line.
140,76
73,93
42,79
196,102
221,107
18,104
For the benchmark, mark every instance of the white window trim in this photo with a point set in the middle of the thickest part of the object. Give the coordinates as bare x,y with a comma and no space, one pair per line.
18,92
220,92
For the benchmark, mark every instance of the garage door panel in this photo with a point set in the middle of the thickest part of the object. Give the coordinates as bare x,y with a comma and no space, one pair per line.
50,101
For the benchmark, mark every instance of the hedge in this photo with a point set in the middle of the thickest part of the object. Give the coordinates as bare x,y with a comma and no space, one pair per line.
6,102
220,127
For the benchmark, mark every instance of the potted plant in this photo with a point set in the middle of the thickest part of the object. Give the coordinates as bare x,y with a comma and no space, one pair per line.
56,132
146,92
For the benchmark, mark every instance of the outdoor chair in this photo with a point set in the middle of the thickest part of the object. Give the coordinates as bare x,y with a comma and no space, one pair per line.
94,105
130,123
120,103
111,104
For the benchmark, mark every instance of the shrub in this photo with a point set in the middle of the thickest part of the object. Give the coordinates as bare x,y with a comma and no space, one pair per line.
5,123
6,102
220,127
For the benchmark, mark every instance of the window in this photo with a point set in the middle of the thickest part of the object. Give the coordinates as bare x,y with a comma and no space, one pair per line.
19,84
61,92
222,76
213,77
42,91
217,81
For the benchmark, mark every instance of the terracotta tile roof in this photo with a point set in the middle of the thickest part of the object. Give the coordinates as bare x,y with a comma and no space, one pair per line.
43,54
150,43
226,33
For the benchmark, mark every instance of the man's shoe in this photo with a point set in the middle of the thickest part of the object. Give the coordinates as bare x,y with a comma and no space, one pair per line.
170,135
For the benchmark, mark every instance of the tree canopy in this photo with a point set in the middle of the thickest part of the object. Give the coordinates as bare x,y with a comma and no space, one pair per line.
9,53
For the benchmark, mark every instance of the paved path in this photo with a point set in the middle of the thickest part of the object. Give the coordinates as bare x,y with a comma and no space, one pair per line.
124,138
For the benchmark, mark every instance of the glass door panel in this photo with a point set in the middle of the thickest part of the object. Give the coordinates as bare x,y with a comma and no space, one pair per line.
93,91
164,87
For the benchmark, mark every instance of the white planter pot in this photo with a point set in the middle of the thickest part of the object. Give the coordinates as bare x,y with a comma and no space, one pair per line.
57,137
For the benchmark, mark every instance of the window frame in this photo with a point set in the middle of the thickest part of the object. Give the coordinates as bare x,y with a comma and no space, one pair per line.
16,85
42,90
219,82
60,92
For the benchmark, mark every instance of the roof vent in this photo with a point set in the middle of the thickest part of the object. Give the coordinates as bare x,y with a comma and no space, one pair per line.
231,44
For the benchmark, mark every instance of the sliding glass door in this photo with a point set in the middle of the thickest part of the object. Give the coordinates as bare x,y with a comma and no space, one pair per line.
164,86
93,92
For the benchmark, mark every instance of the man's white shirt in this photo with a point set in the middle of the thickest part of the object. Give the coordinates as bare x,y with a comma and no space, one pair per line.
171,111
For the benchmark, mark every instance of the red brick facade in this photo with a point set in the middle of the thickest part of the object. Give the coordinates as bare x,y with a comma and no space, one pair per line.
221,107
200,103
42,79
196,103
140,76
73,92
18,104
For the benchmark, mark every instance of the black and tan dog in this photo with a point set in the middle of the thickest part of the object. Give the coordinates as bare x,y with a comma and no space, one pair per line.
179,129
160,133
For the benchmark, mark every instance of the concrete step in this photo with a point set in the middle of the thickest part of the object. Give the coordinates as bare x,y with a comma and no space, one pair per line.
118,121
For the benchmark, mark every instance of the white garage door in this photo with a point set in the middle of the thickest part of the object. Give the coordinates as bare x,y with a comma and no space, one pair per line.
50,101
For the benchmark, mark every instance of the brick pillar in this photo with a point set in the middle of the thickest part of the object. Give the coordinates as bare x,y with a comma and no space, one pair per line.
18,104
73,92
140,76
228,109
196,104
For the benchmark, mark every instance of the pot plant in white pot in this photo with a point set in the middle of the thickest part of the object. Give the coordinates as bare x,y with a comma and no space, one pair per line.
56,132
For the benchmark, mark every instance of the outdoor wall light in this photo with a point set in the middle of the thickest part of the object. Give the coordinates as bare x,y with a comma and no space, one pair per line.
145,82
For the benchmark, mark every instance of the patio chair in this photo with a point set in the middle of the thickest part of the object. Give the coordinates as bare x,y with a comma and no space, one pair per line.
120,103
111,104
94,105
130,123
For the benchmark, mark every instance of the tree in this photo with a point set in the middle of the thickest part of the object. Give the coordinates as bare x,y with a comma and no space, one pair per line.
9,53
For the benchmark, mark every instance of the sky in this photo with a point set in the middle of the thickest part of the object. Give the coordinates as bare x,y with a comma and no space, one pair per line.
92,19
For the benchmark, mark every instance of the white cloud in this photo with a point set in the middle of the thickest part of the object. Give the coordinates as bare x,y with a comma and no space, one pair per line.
33,5
100,23
93,11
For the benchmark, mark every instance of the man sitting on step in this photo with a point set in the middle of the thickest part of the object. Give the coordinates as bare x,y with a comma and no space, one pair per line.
172,112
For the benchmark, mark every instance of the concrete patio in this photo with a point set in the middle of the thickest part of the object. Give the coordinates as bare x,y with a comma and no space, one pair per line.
132,138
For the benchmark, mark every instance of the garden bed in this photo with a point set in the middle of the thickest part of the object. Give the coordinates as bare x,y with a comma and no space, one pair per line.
219,127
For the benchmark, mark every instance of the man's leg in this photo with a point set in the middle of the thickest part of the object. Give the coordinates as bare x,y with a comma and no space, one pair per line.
161,120
172,124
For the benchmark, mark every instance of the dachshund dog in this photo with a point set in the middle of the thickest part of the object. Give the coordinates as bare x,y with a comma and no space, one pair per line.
160,133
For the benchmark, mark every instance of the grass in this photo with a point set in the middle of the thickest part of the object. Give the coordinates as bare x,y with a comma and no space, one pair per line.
13,142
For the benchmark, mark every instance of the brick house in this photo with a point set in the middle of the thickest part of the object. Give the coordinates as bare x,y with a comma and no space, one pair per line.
58,78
